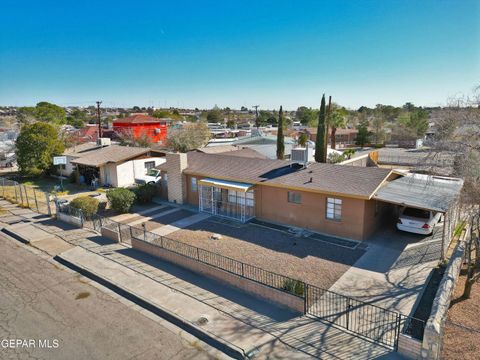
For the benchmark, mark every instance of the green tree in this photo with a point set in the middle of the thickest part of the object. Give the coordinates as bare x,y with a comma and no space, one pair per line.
307,116
215,115
77,118
363,135
280,137
231,123
37,144
320,154
337,119
26,115
302,139
416,121
51,113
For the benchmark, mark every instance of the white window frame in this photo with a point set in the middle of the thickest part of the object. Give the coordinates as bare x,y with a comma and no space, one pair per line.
333,210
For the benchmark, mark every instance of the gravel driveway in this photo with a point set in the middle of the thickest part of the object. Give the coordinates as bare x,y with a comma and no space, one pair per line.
309,260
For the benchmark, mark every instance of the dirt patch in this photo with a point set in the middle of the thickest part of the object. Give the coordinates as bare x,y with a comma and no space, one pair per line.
82,295
462,331
306,259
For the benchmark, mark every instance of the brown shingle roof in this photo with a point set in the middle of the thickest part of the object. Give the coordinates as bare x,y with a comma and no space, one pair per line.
327,178
80,149
109,154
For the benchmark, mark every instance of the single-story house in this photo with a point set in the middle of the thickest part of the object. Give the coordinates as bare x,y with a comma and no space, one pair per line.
113,165
326,198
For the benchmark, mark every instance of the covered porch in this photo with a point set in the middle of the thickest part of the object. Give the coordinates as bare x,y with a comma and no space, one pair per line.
229,199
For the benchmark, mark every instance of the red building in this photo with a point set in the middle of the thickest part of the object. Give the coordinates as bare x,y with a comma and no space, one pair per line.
142,125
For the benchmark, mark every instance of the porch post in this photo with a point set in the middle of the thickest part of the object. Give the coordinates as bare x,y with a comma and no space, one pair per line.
442,258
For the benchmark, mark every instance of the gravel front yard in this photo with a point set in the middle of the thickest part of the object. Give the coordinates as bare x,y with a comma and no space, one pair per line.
309,260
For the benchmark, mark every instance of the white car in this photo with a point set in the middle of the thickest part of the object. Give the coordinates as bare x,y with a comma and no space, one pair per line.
151,177
417,221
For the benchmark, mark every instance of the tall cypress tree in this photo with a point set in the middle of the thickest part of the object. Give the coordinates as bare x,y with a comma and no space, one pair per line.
320,155
280,138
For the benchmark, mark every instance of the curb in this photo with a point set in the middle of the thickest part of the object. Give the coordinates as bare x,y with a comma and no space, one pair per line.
210,339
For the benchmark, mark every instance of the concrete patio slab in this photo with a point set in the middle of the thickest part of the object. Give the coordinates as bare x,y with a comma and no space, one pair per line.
394,270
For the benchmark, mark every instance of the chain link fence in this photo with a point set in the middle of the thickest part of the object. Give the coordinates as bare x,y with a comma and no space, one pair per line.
27,196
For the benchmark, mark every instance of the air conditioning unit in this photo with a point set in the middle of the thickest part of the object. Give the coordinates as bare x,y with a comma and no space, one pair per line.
300,155
104,141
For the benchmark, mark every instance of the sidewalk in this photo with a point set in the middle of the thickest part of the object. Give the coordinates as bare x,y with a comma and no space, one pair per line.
234,317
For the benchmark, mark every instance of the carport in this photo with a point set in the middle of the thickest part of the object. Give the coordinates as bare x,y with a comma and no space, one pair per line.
427,192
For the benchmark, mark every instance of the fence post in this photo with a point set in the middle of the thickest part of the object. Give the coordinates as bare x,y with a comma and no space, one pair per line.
397,330
35,197
119,233
243,272
348,312
21,195
305,299
16,196
198,255
47,197
3,187
26,195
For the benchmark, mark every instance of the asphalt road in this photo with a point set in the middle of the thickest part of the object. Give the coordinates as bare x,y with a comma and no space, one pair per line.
47,312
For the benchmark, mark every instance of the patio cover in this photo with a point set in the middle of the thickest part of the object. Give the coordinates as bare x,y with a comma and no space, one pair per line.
420,191
231,185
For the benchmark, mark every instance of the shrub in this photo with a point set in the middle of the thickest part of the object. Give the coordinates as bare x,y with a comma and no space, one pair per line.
296,287
87,204
144,193
121,199
335,158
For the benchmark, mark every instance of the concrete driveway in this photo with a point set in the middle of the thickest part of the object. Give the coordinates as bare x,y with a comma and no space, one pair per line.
393,271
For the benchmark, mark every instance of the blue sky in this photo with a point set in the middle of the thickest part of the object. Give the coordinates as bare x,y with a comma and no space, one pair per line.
234,53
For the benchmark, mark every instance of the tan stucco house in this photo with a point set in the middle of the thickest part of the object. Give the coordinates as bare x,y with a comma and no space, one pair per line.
326,198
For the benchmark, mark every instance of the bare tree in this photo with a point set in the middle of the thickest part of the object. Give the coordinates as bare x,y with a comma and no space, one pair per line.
189,137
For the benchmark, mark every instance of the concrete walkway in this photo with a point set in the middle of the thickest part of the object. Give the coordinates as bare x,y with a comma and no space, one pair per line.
156,216
393,271
123,217
180,224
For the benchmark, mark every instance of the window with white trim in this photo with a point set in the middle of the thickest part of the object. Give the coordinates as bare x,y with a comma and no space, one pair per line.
193,183
149,165
294,197
334,209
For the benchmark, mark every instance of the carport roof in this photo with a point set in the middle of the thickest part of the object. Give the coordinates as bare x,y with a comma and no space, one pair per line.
434,193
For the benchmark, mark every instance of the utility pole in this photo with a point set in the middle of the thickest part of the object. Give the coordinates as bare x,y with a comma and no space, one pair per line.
99,120
329,109
256,115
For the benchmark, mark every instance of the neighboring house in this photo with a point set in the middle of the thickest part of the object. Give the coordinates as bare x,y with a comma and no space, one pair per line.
138,126
343,137
112,165
327,198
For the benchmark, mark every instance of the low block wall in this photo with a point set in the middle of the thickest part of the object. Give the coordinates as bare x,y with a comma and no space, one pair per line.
433,334
281,298
409,347
111,234
69,219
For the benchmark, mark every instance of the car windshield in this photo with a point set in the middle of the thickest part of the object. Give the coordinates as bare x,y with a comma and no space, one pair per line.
418,213
152,172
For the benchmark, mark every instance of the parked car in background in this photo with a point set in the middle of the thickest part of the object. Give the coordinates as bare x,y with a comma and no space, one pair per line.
151,177
417,221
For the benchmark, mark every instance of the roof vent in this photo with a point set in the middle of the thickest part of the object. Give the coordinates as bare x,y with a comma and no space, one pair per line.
104,141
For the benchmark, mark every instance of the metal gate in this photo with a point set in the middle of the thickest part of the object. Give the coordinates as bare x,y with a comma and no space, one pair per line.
381,325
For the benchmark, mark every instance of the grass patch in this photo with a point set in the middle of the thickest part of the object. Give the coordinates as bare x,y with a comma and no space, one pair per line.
459,228
296,287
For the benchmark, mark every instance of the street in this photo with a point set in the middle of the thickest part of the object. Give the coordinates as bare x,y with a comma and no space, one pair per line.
47,312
